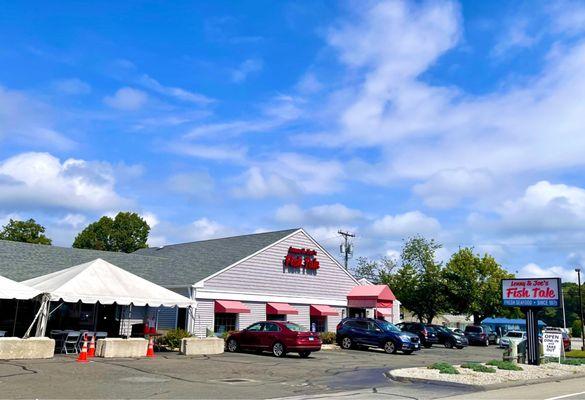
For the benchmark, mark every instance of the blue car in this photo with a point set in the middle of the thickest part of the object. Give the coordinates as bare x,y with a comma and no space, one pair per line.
368,332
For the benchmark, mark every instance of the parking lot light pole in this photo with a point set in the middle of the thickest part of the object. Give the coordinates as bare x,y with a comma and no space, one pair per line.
578,271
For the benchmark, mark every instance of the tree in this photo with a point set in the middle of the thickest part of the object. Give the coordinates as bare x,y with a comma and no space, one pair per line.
473,285
126,233
418,283
24,231
374,270
576,328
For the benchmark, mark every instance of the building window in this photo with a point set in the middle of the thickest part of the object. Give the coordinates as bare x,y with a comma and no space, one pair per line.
225,322
318,324
276,317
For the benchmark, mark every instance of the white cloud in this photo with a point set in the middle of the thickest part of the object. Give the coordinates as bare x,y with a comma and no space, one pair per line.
174,92
328,214
246,68
401,226
73,220
5,218
127,99
258,184
205,228
196,184
309,84
447,188
24,120
532,270
72,86
515,36
150,218
40,180
215,152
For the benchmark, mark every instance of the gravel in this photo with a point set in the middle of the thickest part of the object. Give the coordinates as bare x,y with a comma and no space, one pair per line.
469,377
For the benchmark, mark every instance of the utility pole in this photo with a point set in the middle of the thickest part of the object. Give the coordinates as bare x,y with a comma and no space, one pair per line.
578,271
346,248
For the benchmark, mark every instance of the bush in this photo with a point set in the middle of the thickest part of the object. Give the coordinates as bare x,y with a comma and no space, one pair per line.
172,338
576,328
573,361
327,337
505,365
226,334
444,368
478,368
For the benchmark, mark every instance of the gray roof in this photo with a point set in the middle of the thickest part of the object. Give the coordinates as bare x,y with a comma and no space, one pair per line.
173,265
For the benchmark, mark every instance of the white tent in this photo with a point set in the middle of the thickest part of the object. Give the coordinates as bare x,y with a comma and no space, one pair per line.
99,281
10,289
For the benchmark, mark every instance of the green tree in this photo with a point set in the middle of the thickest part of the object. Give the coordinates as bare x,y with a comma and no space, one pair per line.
576,328
473,285
24,231
374,270
127,232
418,283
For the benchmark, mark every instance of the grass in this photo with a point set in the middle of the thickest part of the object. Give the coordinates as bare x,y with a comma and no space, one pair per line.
504,365
478,368
444,368
573,361
575,354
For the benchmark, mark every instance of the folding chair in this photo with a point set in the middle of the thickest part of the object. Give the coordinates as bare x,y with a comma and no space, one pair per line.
70,342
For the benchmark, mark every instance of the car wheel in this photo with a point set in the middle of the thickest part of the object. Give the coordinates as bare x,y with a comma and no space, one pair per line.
232,345
346,343
448,344
407,352
487,342
304,354
390,347
278,349
428,345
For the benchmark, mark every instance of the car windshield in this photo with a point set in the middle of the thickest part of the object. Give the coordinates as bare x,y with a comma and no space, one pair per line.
388,327
295,327
473,329
442,329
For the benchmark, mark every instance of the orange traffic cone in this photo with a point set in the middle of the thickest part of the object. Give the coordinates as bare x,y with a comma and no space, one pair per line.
150,351
91,351
83,355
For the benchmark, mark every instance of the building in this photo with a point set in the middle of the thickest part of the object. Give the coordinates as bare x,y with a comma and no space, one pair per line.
284,275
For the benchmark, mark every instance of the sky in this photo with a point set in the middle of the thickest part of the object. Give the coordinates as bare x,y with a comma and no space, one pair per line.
459,121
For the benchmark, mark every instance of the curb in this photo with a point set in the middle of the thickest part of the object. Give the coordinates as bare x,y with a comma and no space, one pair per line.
484,388
330,347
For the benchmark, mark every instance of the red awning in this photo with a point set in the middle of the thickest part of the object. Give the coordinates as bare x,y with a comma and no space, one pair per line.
322,311
231,306
370,296
280,308
383,312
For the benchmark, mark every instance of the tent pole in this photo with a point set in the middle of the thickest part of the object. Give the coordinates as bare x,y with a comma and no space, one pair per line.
95,310
15,316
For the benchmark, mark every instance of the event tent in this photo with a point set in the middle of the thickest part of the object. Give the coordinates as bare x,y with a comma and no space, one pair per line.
98,281
10,289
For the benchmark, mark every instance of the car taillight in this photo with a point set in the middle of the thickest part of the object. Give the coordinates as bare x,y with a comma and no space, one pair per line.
482,336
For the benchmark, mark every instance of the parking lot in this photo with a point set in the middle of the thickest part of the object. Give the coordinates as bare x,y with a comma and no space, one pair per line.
229,375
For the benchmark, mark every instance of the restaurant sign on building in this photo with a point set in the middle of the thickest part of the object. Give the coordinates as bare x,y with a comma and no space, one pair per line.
531,292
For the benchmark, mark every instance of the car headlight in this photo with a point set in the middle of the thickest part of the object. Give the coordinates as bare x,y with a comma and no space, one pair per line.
405,338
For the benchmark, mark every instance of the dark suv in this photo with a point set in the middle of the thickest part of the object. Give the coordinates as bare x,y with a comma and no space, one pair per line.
353,332
448,338
480,334
426,334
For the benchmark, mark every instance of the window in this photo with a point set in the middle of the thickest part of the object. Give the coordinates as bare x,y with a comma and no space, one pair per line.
473,329
295,327
319,324
271,328
225,322
276,317
255,327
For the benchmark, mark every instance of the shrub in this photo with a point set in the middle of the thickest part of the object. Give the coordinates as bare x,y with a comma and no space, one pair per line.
576,328
327,337
172,338
226,334
505,365
444,368
478,367
573,361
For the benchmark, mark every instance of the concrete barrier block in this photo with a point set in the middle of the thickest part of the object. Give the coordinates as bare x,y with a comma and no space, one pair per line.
12,348
123,348
196,346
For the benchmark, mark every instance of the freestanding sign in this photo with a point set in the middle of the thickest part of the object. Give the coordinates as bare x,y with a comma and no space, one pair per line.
552,343
531,294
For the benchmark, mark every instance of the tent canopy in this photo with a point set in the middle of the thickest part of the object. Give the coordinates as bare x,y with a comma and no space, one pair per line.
10,289
99,281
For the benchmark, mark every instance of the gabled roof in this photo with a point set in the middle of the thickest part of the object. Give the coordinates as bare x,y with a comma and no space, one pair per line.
10,289
174,265
378,292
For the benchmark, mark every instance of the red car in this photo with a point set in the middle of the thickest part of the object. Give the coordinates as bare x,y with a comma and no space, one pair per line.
279,337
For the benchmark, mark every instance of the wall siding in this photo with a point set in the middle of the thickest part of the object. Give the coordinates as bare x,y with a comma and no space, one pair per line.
265,274
258,313
202,318
333,320
303,317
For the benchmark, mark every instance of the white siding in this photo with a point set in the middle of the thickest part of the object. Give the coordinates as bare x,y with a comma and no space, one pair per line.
303,317
167,317
333,320
203,318
258,313
265,274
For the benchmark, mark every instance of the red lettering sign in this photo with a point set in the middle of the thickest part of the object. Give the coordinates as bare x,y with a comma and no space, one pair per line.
301,258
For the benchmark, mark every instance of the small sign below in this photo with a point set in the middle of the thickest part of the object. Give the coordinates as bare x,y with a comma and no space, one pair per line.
531,292
552,343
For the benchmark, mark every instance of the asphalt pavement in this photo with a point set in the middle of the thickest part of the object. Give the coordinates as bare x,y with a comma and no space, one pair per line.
239,375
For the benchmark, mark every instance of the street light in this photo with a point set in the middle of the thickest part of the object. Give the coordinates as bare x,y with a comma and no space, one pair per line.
578,271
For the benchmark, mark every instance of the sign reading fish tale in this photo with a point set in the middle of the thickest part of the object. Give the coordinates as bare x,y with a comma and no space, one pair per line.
531,292
301,258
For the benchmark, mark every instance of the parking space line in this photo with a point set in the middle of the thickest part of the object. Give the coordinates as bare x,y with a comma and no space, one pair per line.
565,396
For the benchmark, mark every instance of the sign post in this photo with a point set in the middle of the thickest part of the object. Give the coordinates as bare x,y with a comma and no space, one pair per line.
531,294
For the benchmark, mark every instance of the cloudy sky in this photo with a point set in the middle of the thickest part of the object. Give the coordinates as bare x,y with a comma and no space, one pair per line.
464,122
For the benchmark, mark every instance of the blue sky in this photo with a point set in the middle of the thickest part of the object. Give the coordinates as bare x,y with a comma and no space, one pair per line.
459,121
